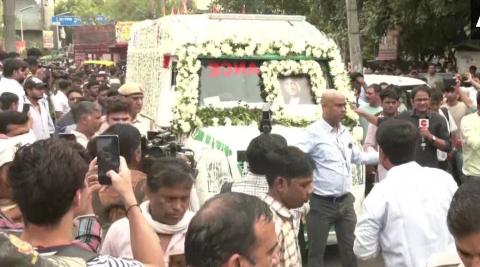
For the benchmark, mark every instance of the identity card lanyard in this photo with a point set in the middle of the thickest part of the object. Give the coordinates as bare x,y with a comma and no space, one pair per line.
341,147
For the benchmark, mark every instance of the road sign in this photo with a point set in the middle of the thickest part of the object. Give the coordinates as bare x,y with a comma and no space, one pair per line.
66,21
101,19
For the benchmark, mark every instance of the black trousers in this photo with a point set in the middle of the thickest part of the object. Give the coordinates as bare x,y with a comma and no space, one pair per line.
325,212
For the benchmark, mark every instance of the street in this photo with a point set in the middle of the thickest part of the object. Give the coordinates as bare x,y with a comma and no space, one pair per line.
333,259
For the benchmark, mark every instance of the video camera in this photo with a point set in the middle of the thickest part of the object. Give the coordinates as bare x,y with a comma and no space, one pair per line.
164,144
265,125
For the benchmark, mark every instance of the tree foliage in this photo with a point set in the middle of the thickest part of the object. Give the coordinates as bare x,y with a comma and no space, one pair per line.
428,27
116,10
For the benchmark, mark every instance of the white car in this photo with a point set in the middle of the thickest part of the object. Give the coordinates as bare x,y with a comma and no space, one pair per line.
403,84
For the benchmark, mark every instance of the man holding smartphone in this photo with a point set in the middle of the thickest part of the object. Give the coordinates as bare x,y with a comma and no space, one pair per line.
50,196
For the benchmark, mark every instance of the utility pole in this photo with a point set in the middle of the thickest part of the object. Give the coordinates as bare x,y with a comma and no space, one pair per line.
162,8
9,24
153,7
354,36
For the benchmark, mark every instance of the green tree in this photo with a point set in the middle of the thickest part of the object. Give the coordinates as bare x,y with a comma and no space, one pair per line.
85,9
117,10
429,28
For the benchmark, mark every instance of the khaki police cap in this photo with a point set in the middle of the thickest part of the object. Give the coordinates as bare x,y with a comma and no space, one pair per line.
130,89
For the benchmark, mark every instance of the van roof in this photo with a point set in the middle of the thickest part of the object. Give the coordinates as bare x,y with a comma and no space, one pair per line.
178,30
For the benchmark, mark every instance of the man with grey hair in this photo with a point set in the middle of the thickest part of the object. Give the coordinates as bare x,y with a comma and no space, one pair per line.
88,119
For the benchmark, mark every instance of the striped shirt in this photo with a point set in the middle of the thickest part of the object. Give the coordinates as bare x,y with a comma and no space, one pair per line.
88,233
108,261
289,249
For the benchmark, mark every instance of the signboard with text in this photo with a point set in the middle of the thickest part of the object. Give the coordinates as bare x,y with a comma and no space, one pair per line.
66,21
122,31
48,39
95,39
388,47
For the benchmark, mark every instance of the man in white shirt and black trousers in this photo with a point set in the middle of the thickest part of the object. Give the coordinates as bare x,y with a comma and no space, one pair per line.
404,216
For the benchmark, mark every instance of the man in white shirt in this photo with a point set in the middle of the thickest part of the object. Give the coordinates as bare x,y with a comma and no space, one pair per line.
169,182
433,78
404,215
14,73
88,118
464,224
38,109
436,99
60,100
390,103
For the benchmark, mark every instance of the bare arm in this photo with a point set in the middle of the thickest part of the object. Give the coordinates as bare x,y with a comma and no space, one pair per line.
473,82
370,118
465,98
145,243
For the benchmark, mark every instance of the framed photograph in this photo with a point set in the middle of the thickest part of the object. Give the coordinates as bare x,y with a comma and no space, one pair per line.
296,90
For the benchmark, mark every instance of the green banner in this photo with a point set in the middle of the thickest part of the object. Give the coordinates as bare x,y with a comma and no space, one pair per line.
205,138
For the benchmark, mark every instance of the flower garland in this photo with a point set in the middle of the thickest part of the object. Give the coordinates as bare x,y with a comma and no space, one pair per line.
271,70
186,113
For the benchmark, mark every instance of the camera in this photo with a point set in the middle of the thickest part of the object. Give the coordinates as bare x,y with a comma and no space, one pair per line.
464,79
164,144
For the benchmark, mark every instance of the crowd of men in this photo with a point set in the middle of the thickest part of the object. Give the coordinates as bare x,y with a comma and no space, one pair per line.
54,212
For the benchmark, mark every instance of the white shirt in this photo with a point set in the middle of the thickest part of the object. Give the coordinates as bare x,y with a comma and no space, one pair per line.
117,242
12,86
82,139
40,119
60,102
472,94
405,216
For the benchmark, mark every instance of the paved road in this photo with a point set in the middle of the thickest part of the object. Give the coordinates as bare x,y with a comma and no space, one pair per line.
333,259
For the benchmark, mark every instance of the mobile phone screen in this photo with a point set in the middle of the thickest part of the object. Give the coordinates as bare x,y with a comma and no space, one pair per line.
26,108
108,157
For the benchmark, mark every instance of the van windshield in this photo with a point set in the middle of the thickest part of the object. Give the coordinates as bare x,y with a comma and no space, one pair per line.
224,80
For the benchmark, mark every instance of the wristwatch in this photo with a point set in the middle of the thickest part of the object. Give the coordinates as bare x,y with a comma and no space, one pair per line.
434,138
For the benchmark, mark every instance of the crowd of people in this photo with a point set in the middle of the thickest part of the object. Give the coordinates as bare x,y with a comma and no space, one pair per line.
54,211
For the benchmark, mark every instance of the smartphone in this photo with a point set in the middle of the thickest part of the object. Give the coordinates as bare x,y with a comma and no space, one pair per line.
26,108
177,261
108,157
67,136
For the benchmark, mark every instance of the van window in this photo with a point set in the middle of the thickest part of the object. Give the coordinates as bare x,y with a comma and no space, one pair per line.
224,80
227,81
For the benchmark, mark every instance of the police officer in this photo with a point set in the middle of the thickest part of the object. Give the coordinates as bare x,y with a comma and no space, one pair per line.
134,92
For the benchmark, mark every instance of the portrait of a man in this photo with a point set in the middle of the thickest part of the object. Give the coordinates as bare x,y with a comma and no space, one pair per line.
295,90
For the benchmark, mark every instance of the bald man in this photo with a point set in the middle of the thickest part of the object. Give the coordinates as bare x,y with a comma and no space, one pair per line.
331,147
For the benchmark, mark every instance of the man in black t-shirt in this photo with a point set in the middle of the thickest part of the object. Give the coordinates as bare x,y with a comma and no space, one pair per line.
433,135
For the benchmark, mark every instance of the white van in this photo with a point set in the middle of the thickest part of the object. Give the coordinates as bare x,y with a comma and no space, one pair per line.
208,76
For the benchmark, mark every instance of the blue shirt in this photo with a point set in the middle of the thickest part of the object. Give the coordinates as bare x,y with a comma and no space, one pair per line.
333,153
